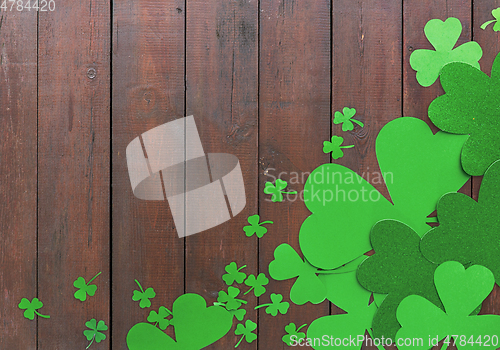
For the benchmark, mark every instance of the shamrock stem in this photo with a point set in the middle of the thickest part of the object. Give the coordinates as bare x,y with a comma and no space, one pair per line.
331,272
357,122
248,291
242,301
219,304
348,146
156,324
42,316
292,192
241,267
136,281
258,307
265,222
485,24
239,342
91,342
93,278
305,324
380,347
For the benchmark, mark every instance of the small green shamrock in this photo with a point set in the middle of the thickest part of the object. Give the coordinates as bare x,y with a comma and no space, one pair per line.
229,298
277,304
255,227
246,331
234,274
443,36
496,14
335,147
85,288
257,284
31,307
95,331
143,296
345,118
277,190
160,318
239,314
293,335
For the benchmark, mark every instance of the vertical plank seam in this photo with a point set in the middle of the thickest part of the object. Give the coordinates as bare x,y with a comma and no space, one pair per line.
330,304
472,38
185,114
111,173
259,11
37,157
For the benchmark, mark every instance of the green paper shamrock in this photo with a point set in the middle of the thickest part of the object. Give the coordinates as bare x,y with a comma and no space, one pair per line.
496,27
255,227
234,274
470,106
277,190
85,288
257,284
398,269
417,167
277,304
293,336
229,298
468,231
246,331
239,313
461,291
160,318
31,307
95,331
335,147
443,36
143,296
345,118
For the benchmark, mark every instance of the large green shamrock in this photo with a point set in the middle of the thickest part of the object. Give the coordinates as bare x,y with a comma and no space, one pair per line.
160,318
443,36
471,106
143,296
468,231
85,288
234,274
255,226
229,299
246,331
293,336
461,291
195,326
418,168
257,284
335,147
398,269
496,27
31,307
345,118
94,334
277,304
277,190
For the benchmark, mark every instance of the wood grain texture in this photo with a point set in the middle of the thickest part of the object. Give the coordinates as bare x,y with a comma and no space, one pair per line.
73,159
294,109
18,171
148,90
221,77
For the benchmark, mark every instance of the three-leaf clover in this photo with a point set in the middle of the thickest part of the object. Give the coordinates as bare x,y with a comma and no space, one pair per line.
470,107
160,318
143,296
277,190
95,331
229,299
246,330
277,304
496,14
345,118
255,226
293,336
257,284
461,291
239,313
335,147
234,274
31,307
443,36
85,288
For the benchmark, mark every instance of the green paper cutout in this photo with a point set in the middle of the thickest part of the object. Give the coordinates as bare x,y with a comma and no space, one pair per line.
94,334
345,118
443,36
160,318
277,190
277,304
85,288
246,330
233,274
293,335
31,307
418,168
398,269
460,291
257,284
239,314
496,15
469,231
470,106
335,147
196,326
255,227
229,299
143,296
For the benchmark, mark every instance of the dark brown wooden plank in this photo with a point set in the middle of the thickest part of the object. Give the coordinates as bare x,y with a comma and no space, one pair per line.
148,91
295,82
222,77
73,158
18,257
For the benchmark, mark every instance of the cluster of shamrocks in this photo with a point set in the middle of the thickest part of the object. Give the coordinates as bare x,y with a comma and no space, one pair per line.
426,283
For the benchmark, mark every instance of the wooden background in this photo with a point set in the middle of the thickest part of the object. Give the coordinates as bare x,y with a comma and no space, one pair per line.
262,78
